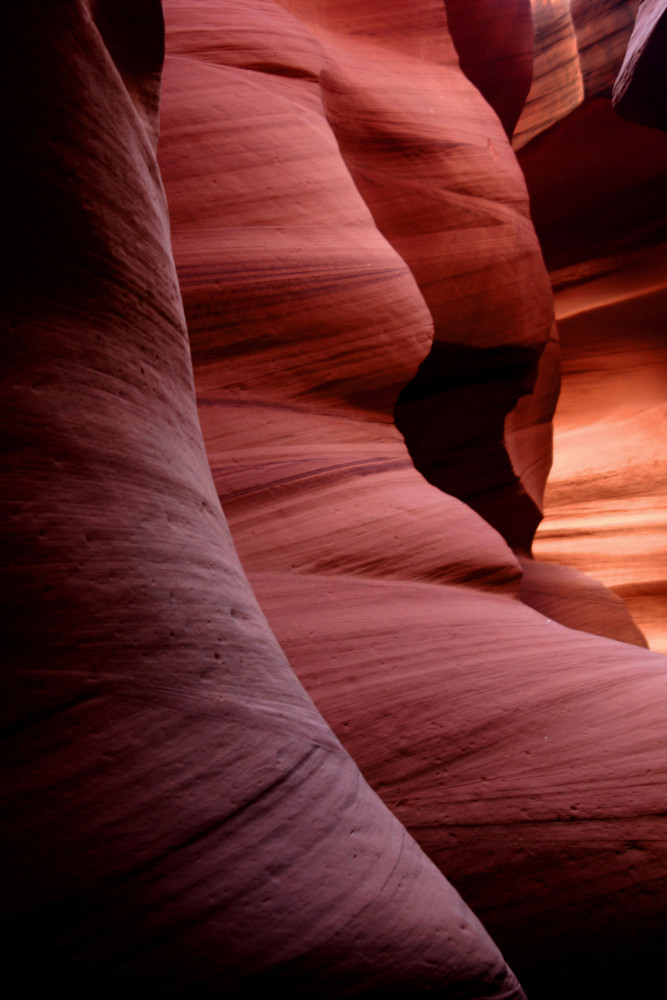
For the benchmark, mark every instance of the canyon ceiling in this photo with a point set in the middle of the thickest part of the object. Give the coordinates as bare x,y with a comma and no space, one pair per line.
306,684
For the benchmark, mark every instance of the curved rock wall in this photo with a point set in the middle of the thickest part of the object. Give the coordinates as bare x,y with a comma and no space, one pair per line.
598,189
579,48
500,738
640,86
495,43
181,817
350,364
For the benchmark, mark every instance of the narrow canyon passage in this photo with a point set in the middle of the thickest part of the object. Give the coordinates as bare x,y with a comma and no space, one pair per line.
506,744
282,714
598,186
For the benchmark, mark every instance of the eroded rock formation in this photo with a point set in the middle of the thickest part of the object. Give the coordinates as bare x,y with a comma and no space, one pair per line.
579,48
183,820
598,188
179,819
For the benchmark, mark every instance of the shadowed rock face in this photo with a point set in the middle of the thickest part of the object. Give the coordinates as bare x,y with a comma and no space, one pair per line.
182,819
501,739
494,42
640,86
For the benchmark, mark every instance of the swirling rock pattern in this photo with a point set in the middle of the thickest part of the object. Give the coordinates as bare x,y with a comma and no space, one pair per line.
579,48
499,737
598,194
182,819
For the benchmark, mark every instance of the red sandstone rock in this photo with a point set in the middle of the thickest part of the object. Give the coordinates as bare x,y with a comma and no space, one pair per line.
487,727
579,48
606,496
525,757
598,190
186,814
179,819
324,365
494,42
576,173
573,598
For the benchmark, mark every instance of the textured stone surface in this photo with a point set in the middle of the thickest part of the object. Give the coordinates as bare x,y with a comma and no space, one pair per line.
487,727
598,188
183,819
579,48
525,757
413,169
179,820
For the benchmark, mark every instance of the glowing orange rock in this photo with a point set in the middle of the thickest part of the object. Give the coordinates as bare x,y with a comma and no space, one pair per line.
599,194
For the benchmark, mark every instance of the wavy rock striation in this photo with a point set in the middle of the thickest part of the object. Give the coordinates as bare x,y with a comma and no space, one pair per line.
598,189
182,818
179,818
321,224
579,48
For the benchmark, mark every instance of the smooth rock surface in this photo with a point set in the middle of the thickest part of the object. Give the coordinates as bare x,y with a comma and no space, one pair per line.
606,497
598,188
179,820
579,47
495,44
484,725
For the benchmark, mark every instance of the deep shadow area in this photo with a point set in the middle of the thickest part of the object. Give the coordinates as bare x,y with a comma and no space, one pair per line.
467,392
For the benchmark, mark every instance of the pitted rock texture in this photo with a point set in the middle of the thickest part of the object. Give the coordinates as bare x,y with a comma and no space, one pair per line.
525,757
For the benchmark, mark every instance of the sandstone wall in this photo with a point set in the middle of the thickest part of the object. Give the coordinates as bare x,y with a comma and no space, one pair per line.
598,187
181,818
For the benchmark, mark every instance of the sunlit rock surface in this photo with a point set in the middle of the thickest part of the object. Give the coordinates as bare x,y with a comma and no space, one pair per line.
598,189
341,196
606,500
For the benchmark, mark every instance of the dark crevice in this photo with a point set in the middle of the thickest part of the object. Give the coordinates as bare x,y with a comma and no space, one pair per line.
452,416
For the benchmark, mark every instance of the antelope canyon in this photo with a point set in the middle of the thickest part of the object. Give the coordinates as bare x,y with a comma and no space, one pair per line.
298,692
598,187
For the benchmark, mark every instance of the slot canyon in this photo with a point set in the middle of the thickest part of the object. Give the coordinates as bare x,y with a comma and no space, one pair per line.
334,545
